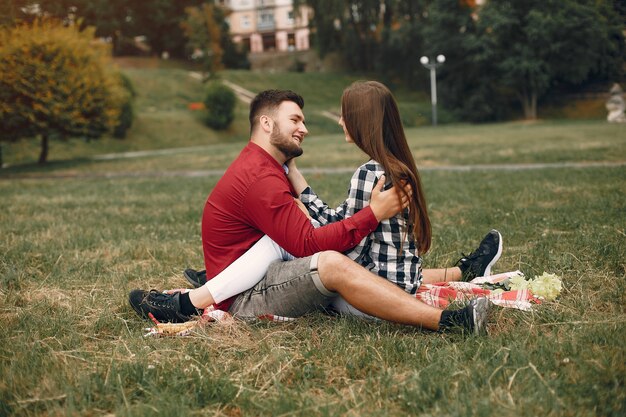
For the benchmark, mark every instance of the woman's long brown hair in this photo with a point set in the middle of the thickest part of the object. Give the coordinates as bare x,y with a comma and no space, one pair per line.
371,117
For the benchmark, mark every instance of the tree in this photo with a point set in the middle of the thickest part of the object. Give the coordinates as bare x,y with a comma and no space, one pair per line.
352,27
204,35
56,82
326,23
534,43
464,84
401,42
159,21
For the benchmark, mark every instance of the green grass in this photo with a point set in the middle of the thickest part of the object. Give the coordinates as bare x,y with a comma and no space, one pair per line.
507,143
71,250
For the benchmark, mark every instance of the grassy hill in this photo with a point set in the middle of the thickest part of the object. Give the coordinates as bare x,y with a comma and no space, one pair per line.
164,120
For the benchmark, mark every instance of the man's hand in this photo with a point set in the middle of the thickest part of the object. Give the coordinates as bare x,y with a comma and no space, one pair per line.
386,204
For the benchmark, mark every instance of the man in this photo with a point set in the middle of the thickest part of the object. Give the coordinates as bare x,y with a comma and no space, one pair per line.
254,199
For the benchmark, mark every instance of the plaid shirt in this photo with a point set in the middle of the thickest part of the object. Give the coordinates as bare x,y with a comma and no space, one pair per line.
388,251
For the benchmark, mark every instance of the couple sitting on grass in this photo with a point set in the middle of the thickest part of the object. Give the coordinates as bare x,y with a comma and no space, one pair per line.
272,247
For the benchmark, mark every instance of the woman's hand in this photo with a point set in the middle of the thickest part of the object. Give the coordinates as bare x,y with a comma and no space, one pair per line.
295,177
386,204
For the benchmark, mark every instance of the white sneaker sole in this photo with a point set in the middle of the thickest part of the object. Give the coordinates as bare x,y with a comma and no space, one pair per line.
495,258
479,315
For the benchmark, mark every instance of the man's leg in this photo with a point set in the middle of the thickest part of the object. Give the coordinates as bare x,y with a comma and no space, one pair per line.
380,298
289,289
373,295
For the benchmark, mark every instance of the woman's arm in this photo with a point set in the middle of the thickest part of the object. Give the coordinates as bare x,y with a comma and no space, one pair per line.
359,194
297,180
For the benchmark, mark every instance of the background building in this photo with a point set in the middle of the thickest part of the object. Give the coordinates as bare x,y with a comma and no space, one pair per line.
268,25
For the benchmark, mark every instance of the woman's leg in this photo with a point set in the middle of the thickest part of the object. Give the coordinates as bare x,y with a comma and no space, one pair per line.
430,276
243,274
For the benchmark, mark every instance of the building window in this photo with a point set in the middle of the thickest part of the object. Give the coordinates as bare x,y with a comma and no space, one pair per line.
266,20
245,21
290,16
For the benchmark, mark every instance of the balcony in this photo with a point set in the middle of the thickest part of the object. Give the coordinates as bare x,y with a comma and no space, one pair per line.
266,21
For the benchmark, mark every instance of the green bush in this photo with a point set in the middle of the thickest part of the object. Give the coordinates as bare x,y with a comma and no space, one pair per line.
125,121
220,105
127,112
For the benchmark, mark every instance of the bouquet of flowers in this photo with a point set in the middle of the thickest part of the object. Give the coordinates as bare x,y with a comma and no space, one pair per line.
545,286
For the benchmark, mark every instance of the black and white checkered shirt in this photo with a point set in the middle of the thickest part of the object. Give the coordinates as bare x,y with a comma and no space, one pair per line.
380,251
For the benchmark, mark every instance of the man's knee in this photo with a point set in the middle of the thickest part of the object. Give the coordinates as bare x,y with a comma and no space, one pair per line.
333,267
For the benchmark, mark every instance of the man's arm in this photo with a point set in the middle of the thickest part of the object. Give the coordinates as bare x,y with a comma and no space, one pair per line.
269,207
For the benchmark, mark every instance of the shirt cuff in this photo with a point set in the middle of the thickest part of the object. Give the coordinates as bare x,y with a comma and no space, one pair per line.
308,195
364,220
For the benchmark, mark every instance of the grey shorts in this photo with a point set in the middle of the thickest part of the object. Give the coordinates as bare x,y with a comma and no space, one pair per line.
289,289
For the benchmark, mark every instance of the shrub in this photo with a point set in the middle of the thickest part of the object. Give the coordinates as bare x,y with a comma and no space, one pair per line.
127,112
125,121
220,105
56,82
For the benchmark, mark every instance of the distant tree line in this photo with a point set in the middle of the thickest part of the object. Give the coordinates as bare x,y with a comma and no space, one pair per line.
164,23
502,50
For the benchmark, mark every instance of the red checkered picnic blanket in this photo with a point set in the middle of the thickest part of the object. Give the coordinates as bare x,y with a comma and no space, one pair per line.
443,293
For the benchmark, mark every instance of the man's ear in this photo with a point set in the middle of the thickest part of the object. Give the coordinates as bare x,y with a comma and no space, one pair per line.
266,123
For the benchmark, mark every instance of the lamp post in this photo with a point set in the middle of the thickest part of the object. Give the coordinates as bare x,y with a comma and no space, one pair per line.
433,80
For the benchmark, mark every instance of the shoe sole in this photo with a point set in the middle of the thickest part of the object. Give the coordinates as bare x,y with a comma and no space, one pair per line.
495,258
479,314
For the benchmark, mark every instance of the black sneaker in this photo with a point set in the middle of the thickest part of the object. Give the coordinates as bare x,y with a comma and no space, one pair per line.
164,307
195,278
470,319
479,262
479,308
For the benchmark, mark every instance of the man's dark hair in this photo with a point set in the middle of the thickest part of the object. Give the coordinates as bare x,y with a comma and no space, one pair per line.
268,101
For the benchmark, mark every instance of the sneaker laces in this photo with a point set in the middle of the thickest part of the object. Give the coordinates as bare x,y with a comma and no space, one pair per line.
465,259
159,299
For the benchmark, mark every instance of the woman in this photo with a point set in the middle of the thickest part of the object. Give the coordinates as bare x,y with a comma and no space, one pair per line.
371,120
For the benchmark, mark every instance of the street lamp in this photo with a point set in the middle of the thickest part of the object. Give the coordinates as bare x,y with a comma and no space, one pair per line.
433,81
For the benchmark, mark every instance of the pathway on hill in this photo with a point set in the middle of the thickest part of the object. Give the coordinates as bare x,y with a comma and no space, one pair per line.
246,96
318,171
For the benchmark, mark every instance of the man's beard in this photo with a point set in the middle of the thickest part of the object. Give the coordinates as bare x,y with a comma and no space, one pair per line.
284,143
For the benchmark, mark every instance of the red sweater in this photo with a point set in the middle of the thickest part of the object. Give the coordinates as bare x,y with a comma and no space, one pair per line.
254,198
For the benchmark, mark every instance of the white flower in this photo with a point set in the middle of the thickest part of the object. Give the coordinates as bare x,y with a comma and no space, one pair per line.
519,283
547,286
